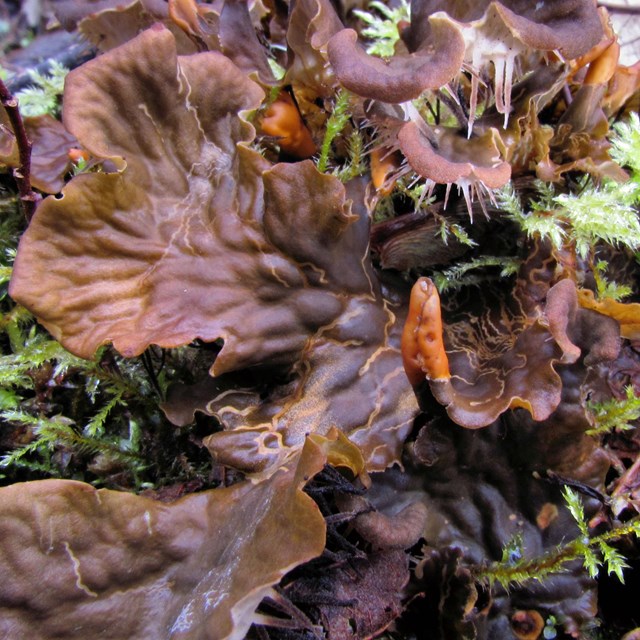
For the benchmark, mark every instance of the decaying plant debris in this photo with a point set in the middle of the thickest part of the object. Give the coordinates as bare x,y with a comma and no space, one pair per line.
359,329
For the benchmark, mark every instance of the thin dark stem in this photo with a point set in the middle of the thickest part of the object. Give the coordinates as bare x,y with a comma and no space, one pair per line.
620,8
456,109
28,197
630,42
628,480
435,114
555,478
147,361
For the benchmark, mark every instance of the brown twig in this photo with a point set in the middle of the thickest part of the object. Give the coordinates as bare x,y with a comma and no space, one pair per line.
28,197
620,8
629,480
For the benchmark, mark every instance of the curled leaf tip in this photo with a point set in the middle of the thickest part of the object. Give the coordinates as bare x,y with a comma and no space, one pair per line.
404,77
384,164
474,165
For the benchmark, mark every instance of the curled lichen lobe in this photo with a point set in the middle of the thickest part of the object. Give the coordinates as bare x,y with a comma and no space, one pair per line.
423,353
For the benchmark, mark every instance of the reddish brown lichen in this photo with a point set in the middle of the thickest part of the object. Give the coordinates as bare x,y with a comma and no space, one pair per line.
474,165
403,77
507,355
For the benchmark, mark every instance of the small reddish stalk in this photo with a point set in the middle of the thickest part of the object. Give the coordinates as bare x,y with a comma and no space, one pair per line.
423,352
28,197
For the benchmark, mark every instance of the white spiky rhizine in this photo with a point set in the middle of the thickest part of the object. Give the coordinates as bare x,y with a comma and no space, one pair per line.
412,114
503,80
471,187
485,43
451,92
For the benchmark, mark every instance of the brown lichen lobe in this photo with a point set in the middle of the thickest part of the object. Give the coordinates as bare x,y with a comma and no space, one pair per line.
473,164
84,563
400,530
509,357
404,77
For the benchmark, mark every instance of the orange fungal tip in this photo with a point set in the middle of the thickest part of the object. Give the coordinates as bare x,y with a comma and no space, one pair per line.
527,625
283,121
76,155
601,70
607,39
383,164
627,314
185,14
423,353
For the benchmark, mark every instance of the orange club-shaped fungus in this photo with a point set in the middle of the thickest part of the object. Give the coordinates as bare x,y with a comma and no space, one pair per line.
185,14
77,155
423,353
384,163
283,121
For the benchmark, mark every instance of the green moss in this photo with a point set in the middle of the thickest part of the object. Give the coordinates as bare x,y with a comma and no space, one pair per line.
614,414
45,94
335,124
474,272
65,417
595,214
382,26
594,552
